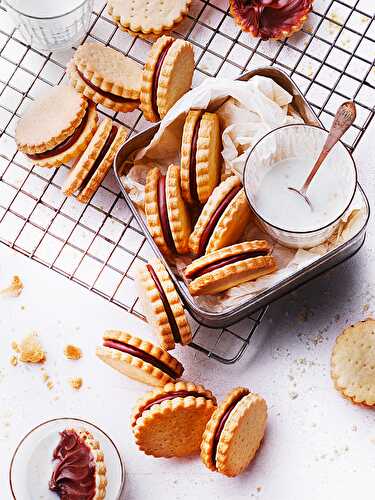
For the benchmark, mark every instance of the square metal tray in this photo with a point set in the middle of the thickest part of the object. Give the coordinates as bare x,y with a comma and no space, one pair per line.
250,307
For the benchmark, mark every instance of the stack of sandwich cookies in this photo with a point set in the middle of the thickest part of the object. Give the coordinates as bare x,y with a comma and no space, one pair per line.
56,127
139,359
200,156
167,76
167,216
234,432
162,305
148,18
105,76
88,173
223,219
169,422
229,267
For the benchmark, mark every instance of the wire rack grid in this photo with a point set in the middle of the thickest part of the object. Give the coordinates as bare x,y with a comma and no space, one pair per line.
98,245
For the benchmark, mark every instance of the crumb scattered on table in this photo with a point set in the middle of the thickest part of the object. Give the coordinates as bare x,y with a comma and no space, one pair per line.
13,360
72,352
15,346
31,350
14,289
76,383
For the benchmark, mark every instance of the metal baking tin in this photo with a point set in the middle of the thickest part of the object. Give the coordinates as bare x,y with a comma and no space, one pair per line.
236,313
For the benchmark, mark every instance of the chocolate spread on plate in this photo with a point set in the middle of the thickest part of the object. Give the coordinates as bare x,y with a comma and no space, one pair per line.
163,214
138,353
156,76
63,146
167,307
268,18
74,475
114,97
193,160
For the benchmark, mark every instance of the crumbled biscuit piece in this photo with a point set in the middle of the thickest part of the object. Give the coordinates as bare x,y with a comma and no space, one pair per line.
13,360
76,383
72,352
31,350
15,346
14,289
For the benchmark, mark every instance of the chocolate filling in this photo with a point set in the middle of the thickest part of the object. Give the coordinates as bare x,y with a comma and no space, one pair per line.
209,229
167,307
73,477
172,395
163,214
99,159
63,146
228,260
114,97
138,353
155,80
193,161
220,427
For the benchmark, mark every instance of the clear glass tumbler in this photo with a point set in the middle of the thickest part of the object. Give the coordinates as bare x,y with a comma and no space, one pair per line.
51,25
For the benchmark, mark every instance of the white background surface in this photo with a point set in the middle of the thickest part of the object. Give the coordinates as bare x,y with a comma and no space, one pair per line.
318,445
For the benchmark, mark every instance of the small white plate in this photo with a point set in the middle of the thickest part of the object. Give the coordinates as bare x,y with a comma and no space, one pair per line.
31,466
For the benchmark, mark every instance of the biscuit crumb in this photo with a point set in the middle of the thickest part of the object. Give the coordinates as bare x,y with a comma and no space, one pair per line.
15,346
47,379
76,383
13,360
31,350
14,289
72,352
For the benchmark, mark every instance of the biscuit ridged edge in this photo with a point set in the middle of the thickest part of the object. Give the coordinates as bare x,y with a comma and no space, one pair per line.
100,468
178,215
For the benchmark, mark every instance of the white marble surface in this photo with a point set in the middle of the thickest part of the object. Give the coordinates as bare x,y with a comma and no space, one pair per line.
317,445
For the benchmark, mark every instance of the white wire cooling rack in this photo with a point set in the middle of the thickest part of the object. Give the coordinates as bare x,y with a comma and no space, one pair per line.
98,245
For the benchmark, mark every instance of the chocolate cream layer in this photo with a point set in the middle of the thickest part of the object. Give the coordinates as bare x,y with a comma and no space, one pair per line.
220,427
163,214
156,76
144,356
114,97
218,264
167,307
65,144
100,157
73,477
193,161
209,229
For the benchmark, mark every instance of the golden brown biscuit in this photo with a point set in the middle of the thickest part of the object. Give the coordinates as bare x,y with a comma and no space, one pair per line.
234,432
50,133
200,156
230,266
169,422
88,173
162,305
167,76
353,363
138,359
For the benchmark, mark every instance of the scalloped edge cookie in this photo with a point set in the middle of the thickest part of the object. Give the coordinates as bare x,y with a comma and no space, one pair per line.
100,468
178,214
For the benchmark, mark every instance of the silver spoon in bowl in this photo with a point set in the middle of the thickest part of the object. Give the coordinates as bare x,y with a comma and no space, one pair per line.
344,117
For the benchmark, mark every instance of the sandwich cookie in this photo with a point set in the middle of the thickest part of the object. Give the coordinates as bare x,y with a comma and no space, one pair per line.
138,359
167,76
79,471
167,216
105,76
200,156
148,17
229,267
223,219
234,432
86,176
56,127
169,422
162,305
353,363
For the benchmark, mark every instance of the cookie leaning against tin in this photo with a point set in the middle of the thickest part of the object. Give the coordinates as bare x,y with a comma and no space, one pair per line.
88,173
167,216
148,17
162,305
234,432
230,266
223,219
169,422
200,156
56,127
105,76
353,363
167,76
138,359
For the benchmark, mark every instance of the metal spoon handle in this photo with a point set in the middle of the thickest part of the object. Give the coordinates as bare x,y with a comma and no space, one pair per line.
344,117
